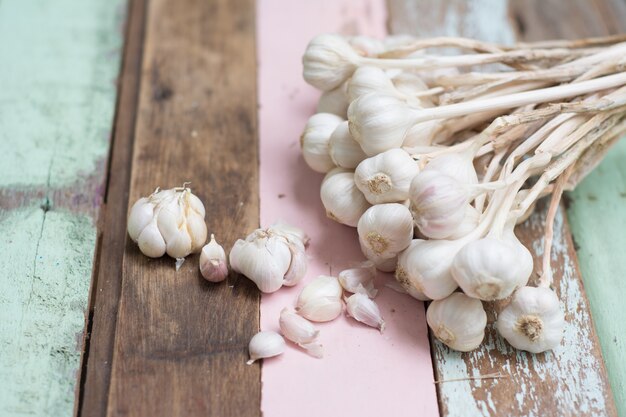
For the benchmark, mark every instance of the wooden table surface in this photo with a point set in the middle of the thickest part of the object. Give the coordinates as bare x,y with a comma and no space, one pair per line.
101,100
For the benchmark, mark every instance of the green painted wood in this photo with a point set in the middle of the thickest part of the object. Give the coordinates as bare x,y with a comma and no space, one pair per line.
597,215
59,62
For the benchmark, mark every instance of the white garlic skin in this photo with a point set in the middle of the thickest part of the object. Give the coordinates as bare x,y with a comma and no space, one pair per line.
385,230
533,321
491,269
300,331
320,299
458,321
213,262
368,79
289,232
379,122
359,279
265,344
334,101
344,151
422,134
363,309
386,177
468,225
315,139
298,266
438,202
141,213
456,165
342,200
426,266
151,242
366,46
328,61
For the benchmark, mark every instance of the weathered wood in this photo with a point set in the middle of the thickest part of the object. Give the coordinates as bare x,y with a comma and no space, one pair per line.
180,342
106,285
59,64
572,379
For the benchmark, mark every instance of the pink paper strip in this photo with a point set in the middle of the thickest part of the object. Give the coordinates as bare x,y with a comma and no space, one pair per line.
363,373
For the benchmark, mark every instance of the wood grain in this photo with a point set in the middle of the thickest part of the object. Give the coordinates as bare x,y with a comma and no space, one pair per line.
571,380
181,343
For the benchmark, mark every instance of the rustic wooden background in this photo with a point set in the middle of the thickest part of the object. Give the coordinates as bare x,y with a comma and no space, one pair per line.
107,98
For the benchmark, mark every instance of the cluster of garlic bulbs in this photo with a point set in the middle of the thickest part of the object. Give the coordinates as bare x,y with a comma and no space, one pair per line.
435,158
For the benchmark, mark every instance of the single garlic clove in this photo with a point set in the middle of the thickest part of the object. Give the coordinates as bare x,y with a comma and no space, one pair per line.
491,269
359,279
386,177
140,216
171,219
179,245
342,200
334,101
533,321
150,241
197,231
320,299
265,344
298,266
328,61
361,308
385,230
300,331
315,140
343,149
458,321
213,262
195,204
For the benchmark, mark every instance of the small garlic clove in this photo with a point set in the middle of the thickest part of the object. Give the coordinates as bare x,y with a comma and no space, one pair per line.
458,321
140,216
298,266
385,230
320,299
265,344
342,200
533,321
362,309
315,141
213,262
359,279
150,241
300,331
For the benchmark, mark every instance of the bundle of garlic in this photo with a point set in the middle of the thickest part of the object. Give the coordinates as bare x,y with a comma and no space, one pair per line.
435,159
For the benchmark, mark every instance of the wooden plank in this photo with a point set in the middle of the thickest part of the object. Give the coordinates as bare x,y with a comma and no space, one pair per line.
106,287
181,343
59,64
572,379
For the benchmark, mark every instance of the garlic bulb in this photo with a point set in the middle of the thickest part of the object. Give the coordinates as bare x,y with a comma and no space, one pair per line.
361,308
368,79
320,299
344,150
328,61
379,122
213,262
533,321
469,224
269,259
458,321
342,200
168,221
301,332
359,279
386,177
265,344
491,269
422,134
424,268
385,230
334,101
315,139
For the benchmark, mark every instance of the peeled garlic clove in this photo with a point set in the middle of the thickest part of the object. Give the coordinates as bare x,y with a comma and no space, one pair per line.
491,269
385,230
150,241
300,331
342,200
265,344
362,309
140,216
425,268
359,279
328,61
320,299
533,321
344,150
298,266
213,262
334,101
315,141
458,321
386,177
379,122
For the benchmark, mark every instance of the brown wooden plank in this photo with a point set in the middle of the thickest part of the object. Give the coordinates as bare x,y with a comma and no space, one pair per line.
106,285
181,343
571,380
